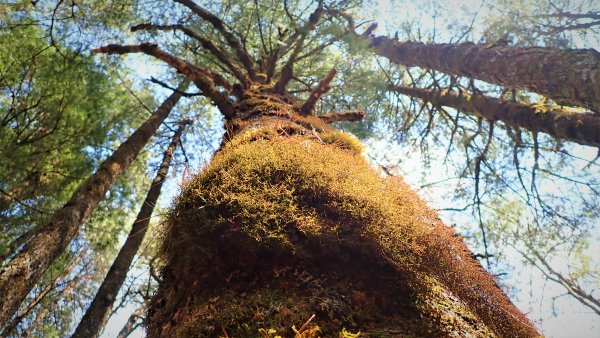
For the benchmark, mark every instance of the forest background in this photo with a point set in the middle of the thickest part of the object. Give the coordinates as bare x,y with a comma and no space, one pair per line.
64,110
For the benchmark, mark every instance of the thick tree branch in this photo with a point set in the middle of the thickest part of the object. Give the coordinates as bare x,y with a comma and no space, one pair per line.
206,44
322,88
233,42
582,128
569,77
196,74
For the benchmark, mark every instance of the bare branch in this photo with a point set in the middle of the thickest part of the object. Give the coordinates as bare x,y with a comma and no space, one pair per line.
287,72
351,25
194,73
233,42
322,88
206,44
130,325
164,85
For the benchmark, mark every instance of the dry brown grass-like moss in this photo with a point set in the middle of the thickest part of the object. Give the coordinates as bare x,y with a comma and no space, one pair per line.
270,203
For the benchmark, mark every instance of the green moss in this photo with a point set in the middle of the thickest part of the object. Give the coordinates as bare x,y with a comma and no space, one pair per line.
291,222
343,140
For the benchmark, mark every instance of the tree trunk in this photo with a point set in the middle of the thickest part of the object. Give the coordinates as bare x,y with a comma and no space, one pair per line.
569,77
22,272
290,221
100,308
558,123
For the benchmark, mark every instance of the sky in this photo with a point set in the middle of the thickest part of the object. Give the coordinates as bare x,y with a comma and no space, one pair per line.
534,296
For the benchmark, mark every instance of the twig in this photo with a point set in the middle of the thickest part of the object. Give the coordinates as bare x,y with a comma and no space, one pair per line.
304,326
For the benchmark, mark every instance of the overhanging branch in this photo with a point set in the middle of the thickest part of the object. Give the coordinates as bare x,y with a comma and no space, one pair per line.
199,76
206,44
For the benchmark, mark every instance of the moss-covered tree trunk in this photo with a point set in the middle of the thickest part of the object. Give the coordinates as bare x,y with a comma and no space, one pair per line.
290,221
569,77
582,128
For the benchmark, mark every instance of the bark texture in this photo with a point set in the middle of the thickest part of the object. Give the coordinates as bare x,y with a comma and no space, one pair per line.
99,310
22,272
577,127
569,77
289,221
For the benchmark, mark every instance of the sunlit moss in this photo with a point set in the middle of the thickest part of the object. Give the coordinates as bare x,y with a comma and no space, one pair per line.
343,140
281,226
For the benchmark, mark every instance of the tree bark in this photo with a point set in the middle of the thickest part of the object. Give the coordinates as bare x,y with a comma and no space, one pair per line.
22,272
100,308
283,225
576,127
569,77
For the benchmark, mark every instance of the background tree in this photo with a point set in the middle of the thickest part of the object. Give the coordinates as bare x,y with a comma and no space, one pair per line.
98,312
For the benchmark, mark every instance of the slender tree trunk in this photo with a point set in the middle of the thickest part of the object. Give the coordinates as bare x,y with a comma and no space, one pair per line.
289,221
569,77
577,127
100,308
23,271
